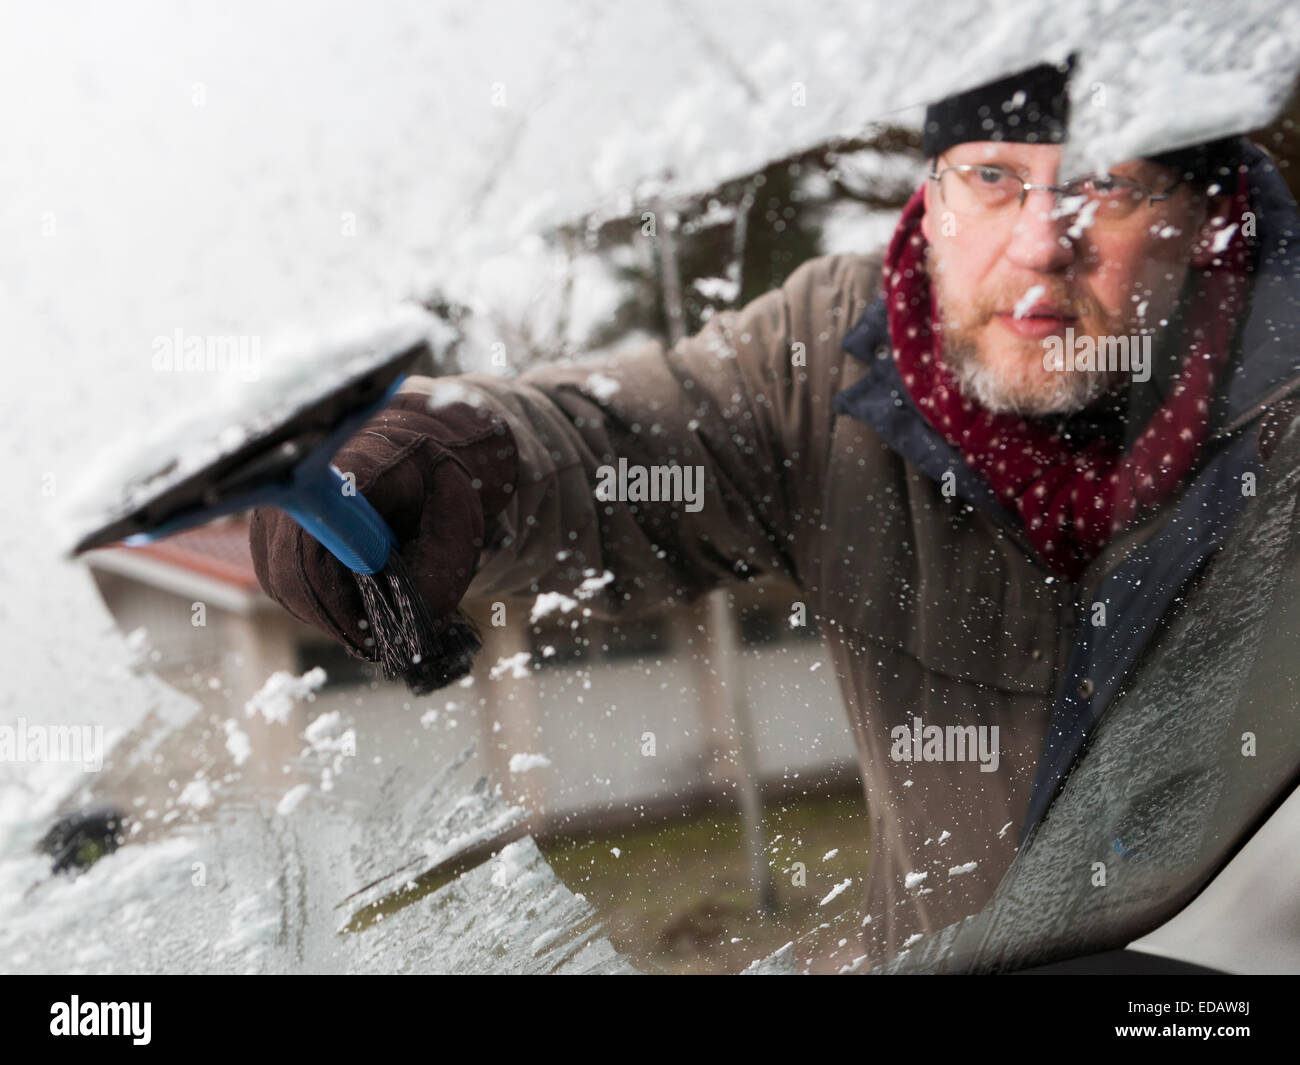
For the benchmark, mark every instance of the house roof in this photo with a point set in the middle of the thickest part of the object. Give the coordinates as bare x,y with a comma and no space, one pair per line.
218,550
211,557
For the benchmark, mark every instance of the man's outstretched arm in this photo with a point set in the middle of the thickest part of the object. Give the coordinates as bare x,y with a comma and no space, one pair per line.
501,487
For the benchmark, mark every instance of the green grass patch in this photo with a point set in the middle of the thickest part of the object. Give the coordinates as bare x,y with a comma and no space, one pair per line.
678,896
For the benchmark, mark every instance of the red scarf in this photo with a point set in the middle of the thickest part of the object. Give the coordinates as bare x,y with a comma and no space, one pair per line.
1072,499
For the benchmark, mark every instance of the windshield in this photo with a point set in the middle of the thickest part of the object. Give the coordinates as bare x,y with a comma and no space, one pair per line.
836,514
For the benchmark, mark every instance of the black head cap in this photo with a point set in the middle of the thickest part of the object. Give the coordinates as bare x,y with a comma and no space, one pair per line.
1032,107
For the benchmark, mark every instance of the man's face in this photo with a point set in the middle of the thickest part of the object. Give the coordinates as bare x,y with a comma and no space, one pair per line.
1008,282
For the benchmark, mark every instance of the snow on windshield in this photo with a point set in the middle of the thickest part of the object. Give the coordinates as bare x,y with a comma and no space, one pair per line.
230,171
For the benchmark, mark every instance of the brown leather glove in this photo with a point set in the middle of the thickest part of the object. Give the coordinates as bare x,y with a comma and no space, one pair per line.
436,476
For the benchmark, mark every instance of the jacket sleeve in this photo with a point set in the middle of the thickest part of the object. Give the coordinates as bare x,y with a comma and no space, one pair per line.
737,408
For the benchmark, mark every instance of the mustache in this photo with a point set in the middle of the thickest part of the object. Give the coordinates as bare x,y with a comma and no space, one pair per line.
974,309
979,309
1070,304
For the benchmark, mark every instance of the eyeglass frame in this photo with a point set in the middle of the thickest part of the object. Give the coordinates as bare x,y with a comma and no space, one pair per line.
1026,187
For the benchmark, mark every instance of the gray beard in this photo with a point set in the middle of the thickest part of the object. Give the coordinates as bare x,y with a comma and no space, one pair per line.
1071,392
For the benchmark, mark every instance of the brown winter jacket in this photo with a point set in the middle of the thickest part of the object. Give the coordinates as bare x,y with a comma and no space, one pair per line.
930,609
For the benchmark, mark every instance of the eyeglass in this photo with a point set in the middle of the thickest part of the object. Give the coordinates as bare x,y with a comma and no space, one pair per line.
979,190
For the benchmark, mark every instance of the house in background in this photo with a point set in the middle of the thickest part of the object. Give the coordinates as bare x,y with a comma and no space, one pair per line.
583,722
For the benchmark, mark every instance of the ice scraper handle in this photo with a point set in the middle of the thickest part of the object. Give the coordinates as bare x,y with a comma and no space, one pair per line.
320,498
328,505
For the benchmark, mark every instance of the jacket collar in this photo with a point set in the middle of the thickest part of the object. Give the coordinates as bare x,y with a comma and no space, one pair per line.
1269,342
880,399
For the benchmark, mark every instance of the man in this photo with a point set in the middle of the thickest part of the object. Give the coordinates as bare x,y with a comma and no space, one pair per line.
989,503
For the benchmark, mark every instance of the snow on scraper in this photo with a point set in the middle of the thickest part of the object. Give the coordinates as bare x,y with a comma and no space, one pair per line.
280,457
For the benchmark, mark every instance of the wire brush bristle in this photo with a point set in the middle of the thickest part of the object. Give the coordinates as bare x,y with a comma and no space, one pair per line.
425,652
